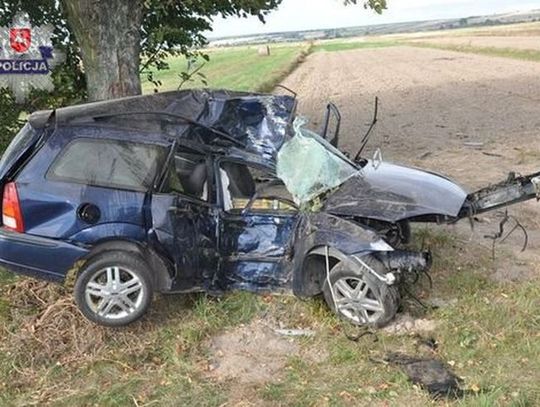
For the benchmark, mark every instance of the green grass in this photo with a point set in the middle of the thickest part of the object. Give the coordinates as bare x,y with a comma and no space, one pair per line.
5,279
236,69
490,336
527,55
332,46
155,360
243,69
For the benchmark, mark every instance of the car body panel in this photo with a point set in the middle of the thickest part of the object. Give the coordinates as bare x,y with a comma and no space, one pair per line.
38,257
258,123
187,231
342,237
50,206
255,249
55,235
92,235
45,215
393,193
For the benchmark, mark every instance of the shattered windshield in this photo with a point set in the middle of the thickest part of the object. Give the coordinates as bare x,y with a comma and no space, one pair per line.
309,165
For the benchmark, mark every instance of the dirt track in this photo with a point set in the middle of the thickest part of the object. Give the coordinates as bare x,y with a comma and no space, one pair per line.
432,103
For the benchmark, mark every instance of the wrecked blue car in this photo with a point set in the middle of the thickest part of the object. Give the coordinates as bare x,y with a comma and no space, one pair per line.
211,191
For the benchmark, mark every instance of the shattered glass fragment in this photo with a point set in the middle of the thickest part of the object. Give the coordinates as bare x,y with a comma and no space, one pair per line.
310,166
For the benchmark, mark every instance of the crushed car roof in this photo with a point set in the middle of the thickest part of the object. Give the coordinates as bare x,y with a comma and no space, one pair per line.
258,123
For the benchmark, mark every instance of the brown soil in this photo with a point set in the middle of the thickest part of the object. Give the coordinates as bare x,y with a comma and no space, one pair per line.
255,353
250,354
432,103
405,324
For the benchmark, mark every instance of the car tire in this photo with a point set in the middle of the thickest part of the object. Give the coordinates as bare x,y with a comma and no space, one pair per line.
400,235
114,288
363,299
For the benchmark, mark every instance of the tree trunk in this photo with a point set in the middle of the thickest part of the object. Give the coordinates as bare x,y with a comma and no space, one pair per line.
109,35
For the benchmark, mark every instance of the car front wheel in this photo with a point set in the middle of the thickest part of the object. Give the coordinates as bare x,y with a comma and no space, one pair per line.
358,296
114,288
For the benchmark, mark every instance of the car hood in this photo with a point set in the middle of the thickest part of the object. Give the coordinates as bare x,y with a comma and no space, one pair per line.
392,193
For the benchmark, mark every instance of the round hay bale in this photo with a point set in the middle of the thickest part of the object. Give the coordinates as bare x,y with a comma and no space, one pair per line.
264,51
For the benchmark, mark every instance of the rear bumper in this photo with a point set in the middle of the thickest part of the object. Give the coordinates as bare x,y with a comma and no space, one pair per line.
38,257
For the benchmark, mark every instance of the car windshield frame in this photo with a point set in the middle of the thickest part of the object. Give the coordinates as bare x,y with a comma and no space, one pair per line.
324,166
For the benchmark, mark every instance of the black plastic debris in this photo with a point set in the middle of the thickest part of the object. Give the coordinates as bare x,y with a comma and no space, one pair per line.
430,374
430,342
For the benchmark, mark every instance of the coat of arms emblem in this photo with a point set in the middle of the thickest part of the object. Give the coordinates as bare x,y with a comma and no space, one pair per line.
20,39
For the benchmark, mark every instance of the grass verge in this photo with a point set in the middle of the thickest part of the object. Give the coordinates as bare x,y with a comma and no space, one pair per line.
237,69
527,55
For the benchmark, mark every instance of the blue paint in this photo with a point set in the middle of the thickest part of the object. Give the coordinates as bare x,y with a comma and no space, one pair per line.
256,251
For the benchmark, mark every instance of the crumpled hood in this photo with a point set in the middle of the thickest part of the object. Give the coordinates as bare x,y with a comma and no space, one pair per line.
392,193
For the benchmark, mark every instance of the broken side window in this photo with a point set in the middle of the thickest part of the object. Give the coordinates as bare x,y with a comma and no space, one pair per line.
187,175
240,182
310,166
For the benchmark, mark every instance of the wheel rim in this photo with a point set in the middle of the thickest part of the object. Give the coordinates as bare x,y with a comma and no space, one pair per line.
356,300
114,292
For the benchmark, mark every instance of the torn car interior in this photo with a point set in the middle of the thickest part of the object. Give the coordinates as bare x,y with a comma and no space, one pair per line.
211,191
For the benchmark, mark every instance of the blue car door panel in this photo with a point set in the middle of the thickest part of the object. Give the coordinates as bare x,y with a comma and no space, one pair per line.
255,243
256,251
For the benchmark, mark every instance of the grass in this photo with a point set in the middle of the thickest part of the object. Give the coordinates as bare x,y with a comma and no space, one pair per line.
236,69
332,46
151,361
244,69
505,30
527,55
489,335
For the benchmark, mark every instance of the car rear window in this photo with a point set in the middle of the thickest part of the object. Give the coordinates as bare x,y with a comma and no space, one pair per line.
109,163
18,146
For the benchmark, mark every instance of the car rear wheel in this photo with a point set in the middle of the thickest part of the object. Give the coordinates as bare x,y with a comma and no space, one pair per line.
114,288
361,298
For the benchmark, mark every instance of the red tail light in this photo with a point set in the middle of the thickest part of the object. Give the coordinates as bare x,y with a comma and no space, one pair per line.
11,209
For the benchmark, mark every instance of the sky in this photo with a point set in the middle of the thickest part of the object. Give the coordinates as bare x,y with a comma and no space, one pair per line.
293,15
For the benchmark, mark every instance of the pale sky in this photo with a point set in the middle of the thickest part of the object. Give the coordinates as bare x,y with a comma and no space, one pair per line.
293,15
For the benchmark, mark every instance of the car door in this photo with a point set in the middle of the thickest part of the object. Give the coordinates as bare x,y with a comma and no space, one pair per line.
184,219
255,242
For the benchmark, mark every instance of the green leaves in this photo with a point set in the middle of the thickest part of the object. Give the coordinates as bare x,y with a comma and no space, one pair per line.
377,5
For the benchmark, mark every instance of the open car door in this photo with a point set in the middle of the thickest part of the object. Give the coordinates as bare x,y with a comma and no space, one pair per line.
256,231
184,219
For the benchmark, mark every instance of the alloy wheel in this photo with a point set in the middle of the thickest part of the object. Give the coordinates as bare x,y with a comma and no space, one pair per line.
356,300
114,292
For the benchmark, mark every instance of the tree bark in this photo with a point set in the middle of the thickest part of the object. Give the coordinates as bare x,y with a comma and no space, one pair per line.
109,35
